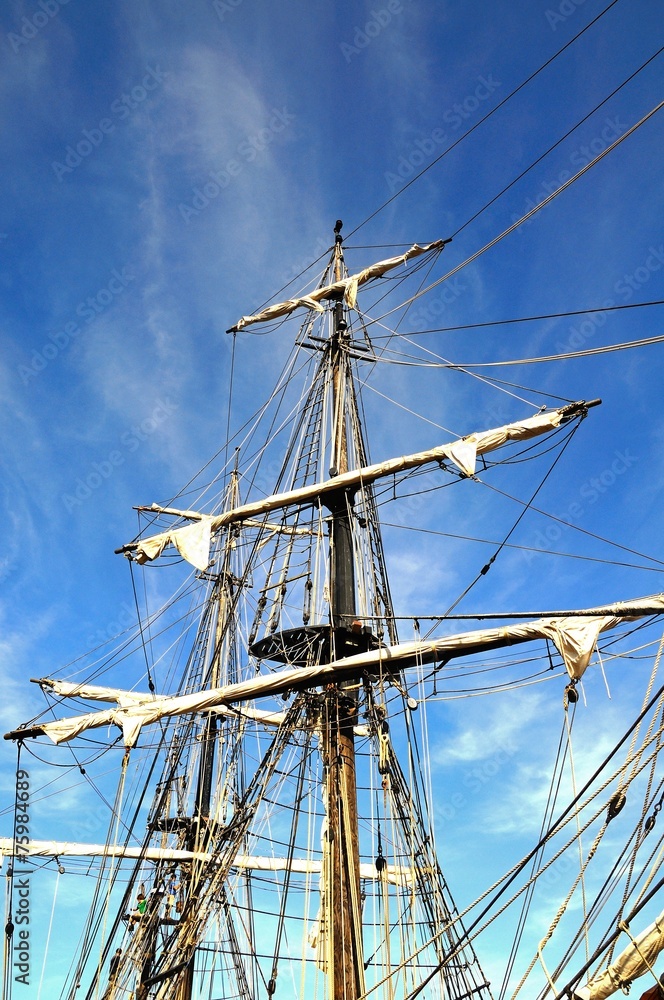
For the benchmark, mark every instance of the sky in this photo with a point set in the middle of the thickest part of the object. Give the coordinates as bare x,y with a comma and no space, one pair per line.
168,168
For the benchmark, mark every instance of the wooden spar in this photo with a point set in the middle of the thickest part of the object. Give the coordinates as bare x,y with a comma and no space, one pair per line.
388,659
461,453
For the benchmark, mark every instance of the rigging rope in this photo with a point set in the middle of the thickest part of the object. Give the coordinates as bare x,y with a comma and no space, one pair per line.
151,686
485,117
558,142
554,789
654,672
580,879
526,506
530,319
48,933
524,548
528,215
510,876
115,862
567,355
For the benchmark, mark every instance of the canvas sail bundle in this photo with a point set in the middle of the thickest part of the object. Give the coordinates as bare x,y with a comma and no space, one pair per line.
346,288
637,958
574,638
193,540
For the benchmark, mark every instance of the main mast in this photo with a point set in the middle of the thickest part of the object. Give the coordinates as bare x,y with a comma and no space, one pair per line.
344,958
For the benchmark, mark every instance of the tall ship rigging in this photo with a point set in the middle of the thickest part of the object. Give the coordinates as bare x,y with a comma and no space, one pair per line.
272,825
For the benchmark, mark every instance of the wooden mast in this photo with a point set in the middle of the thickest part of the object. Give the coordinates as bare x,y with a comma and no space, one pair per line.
344,959
200,831
198,835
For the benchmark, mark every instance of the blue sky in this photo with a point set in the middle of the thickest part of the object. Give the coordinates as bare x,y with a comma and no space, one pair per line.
168,167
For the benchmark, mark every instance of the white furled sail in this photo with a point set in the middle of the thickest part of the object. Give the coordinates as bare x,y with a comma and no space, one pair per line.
574,638
638,958
193,540
395,874
346,288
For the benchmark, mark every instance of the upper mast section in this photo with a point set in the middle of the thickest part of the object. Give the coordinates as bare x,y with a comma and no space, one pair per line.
339,336
342,288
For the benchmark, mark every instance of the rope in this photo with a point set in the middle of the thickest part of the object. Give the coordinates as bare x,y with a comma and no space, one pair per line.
573,779
468,367
524,218
485,117
557,826
644,958
652,874
48,936
524,319
117,809
561,911
525,508
578,880
646,797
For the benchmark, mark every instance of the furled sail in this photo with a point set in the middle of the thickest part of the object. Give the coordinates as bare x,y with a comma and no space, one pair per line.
345,288
637,958
395,874
193,540
574,637
92,692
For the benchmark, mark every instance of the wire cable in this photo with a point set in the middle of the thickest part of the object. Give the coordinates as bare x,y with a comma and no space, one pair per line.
533,211
484,118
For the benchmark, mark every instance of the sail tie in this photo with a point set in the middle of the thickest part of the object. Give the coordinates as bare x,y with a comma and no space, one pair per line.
645,958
